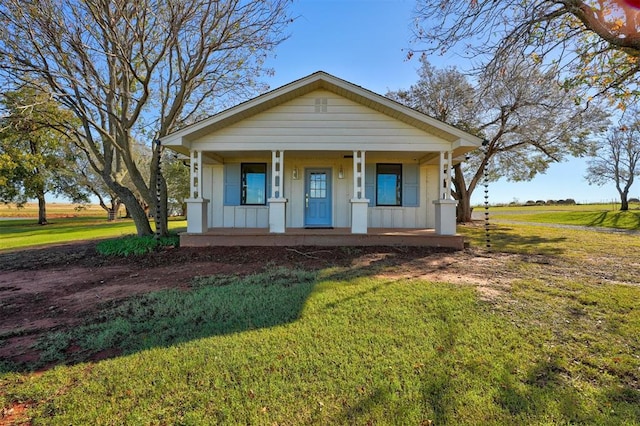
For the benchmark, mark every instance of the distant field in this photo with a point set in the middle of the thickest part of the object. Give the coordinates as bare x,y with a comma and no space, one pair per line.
54,210
599,215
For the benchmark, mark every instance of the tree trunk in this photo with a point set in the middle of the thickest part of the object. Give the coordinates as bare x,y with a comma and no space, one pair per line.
462,195
624,201
42,209
133,207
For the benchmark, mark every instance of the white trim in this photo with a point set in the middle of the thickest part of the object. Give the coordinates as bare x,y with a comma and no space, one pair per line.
195,174
359,175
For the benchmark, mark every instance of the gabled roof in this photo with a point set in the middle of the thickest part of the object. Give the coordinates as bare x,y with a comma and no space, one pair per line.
316,81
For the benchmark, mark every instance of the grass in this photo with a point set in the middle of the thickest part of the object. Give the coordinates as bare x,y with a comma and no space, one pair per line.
557,345
25,233
295,347
582,215
132,245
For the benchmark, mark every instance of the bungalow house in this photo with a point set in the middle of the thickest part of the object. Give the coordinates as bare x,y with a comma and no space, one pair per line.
321,161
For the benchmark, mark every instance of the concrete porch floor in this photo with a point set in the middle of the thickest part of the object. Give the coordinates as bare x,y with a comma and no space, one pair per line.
321,237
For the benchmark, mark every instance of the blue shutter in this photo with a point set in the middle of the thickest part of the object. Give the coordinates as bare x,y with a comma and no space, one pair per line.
410,185
232,184
268,178
370,183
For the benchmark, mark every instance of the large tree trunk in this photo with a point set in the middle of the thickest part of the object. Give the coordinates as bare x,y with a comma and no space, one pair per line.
624,201
133,206
42,208
462,195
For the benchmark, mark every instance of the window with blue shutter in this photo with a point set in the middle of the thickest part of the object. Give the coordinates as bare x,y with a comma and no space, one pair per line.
247,184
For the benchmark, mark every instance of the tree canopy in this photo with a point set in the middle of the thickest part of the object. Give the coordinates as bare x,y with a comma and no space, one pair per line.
526,118
35,159
595,43
135,70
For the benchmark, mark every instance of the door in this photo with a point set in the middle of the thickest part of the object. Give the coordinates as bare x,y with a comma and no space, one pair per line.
317,198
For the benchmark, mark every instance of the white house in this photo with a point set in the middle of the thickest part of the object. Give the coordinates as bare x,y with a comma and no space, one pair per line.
320,153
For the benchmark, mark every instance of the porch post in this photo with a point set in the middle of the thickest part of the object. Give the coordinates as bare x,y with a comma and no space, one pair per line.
277,202
445,206
197,218
359,202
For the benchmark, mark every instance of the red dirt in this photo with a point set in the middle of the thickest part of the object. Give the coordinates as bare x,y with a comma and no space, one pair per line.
55,288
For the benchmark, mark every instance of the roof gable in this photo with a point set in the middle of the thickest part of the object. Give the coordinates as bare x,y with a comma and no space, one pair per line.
316,81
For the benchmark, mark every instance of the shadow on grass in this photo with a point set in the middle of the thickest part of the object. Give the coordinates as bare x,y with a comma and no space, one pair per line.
503,238
214,305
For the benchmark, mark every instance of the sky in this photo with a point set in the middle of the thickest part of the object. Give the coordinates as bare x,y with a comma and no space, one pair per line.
365,42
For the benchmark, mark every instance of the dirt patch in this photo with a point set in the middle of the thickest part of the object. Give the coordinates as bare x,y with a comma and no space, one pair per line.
55,288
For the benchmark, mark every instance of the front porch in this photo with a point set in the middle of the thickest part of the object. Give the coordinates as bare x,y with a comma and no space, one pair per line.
320,237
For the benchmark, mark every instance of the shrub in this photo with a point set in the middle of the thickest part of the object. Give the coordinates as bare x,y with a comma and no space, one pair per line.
134,245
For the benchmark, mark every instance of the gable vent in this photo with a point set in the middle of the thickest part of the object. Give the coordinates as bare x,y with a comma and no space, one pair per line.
321,104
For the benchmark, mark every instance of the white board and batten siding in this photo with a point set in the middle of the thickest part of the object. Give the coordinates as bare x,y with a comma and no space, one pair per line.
224,216
323,121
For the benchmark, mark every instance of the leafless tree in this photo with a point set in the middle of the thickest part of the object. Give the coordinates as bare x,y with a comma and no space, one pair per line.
595,42
137,70
526,118
616,157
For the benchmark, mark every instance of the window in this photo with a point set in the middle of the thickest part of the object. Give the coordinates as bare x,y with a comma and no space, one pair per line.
254,184
389,184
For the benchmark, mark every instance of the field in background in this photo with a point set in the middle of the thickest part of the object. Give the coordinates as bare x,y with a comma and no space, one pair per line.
19,228
54,210
595,215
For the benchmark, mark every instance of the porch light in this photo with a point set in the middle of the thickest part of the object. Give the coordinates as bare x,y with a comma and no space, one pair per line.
294,173
340,173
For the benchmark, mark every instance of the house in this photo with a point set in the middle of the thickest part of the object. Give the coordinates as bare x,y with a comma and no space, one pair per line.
317,161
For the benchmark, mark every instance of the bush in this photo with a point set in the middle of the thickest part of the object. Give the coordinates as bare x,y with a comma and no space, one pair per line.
134,245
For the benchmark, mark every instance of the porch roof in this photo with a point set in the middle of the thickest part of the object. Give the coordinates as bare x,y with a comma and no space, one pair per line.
460,140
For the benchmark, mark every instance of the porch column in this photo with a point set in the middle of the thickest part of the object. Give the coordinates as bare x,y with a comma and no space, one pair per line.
277,202
197,218
359,202
445,206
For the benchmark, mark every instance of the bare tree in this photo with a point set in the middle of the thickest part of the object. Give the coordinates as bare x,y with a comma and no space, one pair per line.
596,41
527,119
616,158
135,69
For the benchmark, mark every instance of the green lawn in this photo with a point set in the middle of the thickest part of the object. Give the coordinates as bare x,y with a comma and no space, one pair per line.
295,348
26,233
601,215
547,335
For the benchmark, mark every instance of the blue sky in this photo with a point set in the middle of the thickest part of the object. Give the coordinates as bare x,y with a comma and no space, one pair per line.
365,42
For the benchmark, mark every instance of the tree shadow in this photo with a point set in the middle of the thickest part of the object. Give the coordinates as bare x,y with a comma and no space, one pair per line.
216,305
212,306
500,238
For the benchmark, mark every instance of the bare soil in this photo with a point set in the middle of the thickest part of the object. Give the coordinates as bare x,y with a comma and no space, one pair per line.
55,288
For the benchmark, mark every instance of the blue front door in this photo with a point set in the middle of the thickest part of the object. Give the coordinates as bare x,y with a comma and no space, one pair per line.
317,194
